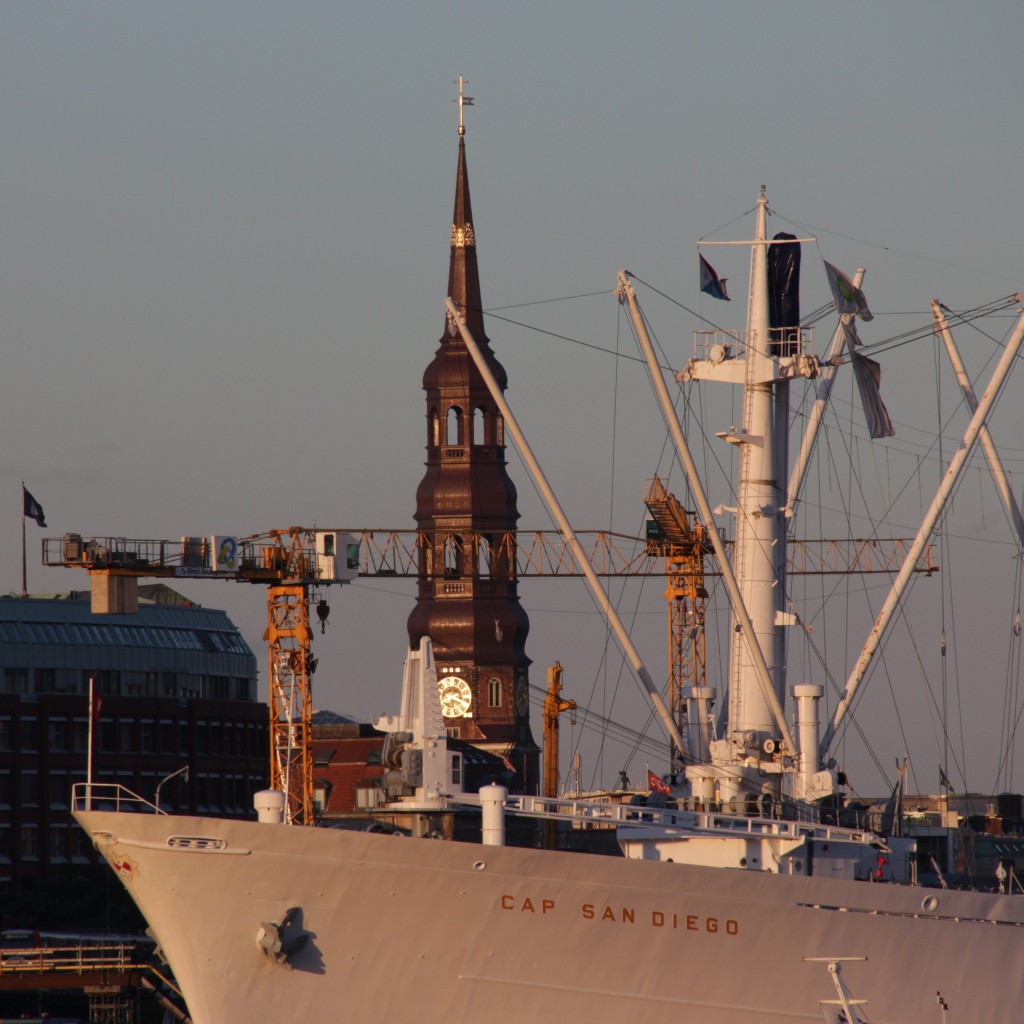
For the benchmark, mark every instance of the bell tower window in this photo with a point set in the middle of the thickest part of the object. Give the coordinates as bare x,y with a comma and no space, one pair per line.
435,428
454,426
494,689
478,426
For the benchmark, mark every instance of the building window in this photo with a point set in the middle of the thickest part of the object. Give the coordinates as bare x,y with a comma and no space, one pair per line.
456,769
478,426
60,790
58,843
30,789
452,556
58,729
5,789
126,728
107,683
147,737
45,680
78,846
29,729
219,688
435,428
6,733
483,557
30,842
494,689
79,735
107,735
454,732
15,680
453,426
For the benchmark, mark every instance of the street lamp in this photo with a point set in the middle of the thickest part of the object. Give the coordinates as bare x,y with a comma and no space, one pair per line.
168,778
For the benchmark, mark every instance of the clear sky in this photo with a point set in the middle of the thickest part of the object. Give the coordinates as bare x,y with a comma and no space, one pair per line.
224,243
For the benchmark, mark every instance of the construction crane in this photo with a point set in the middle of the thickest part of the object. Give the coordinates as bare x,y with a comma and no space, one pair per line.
554,706
673,536
293,564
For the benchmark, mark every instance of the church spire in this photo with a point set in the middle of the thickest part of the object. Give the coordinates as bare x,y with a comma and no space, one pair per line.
468,598
463,274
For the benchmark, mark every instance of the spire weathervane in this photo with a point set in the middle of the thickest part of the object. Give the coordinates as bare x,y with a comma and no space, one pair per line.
463,102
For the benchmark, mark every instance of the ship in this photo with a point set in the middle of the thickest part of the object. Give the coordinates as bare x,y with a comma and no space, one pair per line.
745,895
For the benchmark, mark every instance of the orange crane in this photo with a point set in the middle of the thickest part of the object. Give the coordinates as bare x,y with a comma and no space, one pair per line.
554,706
294,564
674,536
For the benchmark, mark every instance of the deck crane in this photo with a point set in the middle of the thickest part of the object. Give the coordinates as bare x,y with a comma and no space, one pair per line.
294,564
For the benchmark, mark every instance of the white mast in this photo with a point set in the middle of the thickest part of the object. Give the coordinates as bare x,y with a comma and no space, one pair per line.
749,758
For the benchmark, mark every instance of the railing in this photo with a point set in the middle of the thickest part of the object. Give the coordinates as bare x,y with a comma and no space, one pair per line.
783,343
705,822
109,796
79,959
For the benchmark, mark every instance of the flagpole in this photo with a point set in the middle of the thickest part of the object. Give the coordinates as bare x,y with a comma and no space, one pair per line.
88,763
24,565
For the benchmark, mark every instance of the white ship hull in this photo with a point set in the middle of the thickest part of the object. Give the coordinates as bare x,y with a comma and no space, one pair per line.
423,930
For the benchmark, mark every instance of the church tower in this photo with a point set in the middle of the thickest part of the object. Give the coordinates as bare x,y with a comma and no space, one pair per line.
468,599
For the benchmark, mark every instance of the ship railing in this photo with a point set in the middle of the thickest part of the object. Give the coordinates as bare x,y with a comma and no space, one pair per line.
110,796
596,814
717,346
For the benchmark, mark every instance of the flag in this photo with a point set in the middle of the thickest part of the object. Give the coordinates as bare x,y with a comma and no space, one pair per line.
711,283
97,706
869,378
655,785
944,780
31,508
849,298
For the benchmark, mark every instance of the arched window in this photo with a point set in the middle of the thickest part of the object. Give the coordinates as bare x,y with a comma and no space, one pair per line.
453,426
500,438
483,557
494,689
452,556
435,428
478,425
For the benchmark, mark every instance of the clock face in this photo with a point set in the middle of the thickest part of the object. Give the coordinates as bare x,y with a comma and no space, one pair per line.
456,696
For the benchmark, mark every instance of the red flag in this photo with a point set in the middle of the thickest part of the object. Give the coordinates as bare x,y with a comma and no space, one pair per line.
97,706
655,784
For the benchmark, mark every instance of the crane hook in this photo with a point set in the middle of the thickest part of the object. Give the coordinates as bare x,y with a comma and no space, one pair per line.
323,609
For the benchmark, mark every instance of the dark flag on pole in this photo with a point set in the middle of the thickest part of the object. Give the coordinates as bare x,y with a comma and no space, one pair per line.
31,508
711,283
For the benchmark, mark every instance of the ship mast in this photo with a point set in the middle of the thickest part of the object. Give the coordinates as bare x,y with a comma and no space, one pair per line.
756,748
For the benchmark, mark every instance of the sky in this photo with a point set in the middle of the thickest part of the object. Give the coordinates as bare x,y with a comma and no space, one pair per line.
224,237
